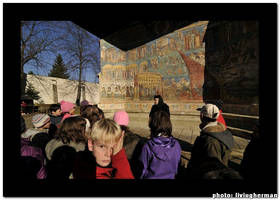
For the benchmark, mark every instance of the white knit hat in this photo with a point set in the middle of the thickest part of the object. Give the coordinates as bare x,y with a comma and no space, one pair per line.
39,120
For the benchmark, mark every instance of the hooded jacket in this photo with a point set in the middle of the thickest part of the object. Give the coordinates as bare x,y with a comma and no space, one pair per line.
28,150
160,106
215,141
160,157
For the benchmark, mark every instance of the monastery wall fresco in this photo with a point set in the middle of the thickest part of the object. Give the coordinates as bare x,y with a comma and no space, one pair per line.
172,66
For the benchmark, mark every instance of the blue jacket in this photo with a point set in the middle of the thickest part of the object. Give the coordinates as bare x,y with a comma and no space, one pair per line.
160,157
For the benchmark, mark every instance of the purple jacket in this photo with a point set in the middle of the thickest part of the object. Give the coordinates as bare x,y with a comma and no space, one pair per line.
35,152
160,157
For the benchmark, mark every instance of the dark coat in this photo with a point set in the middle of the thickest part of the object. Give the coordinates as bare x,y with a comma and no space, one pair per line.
160,106
55,119
213,142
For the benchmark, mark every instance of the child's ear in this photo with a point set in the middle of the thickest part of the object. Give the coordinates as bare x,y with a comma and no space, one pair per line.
90,144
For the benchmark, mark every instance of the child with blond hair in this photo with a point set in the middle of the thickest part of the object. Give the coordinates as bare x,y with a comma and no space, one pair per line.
106,158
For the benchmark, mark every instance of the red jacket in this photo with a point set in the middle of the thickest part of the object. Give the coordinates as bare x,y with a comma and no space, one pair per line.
121,164
86,168
221,119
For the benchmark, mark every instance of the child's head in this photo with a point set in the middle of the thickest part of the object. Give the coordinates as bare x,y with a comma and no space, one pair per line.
55,110
67,107
41,121
209,113
72,129
160,124
83,105
91,113
104,135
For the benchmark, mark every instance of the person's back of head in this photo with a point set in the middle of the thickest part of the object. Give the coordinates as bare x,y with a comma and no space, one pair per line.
62,163
41,120
91,112
160,124
101,113
40,140
209,113
72,129
67,107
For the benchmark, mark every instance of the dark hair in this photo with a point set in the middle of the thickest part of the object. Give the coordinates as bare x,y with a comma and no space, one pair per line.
101,113
62,163
160,123
53,108
72,129
207,119
124,128
91,112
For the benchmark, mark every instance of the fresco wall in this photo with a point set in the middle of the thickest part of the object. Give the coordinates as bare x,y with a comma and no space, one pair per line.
172,66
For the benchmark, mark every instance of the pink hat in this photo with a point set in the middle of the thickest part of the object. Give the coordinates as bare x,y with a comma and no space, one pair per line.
121,118
66,106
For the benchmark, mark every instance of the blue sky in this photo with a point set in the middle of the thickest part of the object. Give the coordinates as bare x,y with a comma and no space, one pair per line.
49,58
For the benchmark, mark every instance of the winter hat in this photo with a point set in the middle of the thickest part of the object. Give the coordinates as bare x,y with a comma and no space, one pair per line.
84,103
66,106
121,118
210,110
40,120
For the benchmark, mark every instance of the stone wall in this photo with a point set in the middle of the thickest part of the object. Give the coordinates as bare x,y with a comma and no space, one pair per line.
53,90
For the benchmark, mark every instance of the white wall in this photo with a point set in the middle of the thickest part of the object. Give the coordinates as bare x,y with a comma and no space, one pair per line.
66,89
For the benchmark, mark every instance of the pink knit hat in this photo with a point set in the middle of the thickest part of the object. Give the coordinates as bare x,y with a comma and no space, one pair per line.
121,118
66,106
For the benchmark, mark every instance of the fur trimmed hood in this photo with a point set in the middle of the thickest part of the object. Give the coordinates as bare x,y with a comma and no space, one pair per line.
219,132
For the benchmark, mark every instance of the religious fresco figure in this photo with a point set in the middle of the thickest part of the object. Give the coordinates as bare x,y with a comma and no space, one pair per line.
109,92
103,92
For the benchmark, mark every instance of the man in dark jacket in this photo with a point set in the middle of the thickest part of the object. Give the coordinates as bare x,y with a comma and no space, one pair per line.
159,105
215,141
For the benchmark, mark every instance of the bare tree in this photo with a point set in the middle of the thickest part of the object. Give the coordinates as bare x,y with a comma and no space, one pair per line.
82,49
38,39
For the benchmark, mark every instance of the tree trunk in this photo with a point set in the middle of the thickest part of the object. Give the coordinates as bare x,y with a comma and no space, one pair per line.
78,99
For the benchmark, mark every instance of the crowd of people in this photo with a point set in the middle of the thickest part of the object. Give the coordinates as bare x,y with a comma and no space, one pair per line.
63,145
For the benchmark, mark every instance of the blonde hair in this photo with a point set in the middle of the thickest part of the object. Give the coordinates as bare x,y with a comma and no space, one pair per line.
105,130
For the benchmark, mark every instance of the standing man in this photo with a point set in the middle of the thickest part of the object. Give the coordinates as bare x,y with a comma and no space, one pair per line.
159,105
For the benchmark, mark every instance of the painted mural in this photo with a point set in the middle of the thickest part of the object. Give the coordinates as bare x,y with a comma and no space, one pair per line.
172,66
